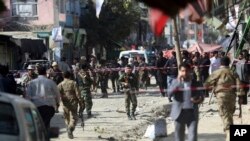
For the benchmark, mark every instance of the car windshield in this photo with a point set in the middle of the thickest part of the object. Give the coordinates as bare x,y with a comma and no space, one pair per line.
8,120
44,63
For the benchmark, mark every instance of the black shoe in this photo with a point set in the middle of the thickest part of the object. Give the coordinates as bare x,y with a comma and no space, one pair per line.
80,115
57,111
133,117
89,115
104,96
130,118
162,94
170,100
70,134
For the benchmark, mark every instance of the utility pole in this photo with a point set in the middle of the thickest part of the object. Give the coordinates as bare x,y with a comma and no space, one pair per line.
58,47
177,42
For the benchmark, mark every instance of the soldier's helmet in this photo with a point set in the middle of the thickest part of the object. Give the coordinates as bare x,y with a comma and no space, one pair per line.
31,67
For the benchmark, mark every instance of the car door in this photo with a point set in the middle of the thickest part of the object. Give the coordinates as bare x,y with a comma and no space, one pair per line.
36,129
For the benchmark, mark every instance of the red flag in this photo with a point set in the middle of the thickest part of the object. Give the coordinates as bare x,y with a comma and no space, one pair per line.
157,20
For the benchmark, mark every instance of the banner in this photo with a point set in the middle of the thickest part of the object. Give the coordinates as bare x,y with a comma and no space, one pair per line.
57,34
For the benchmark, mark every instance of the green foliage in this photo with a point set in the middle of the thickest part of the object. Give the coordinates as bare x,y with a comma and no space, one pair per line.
115,22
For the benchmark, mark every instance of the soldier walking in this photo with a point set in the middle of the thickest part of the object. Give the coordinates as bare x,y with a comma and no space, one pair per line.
70,96
223,79
129,81
84,81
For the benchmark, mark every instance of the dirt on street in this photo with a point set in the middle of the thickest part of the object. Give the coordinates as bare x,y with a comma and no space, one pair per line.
110,123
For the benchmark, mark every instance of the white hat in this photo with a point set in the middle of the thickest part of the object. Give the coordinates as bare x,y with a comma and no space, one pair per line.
54,64
30,67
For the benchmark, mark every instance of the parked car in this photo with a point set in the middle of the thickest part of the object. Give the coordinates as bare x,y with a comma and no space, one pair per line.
134,53
45,63
20,120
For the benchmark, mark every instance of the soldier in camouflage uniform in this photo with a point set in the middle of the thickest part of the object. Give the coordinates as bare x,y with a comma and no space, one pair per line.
129,84
29,76
55,74
70,95
103,76
223,79
84,81
26,78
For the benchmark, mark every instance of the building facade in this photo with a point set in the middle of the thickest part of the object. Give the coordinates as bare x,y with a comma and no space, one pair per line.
35,20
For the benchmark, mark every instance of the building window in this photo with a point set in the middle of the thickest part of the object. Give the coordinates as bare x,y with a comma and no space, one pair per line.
62,6
24,8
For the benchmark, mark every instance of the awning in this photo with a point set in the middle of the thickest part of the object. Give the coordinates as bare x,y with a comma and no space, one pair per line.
202,48
43,34
21,35
27,41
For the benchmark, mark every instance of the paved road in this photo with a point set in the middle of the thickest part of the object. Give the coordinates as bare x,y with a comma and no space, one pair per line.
110,120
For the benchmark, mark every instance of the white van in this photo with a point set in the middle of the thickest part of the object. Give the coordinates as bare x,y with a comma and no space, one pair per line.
134,53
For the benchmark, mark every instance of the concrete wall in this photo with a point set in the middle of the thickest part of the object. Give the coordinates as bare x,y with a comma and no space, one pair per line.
45,13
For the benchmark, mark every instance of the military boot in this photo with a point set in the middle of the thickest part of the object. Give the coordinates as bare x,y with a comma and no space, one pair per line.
129,117
70,133
89,115
133,116
104,95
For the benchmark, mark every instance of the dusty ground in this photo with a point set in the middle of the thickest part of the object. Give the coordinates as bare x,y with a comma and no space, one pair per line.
110,122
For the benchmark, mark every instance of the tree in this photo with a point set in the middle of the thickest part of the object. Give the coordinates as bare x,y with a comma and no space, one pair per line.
117,19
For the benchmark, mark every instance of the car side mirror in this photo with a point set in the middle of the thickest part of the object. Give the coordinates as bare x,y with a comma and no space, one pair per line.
53,132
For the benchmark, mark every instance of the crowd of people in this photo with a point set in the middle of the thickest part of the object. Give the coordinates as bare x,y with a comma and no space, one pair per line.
74,85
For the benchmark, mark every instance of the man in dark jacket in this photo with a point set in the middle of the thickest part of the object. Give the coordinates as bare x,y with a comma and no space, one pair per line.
161,74
7,81
172,71
204,69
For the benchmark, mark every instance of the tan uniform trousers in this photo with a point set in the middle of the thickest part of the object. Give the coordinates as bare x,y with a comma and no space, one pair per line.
226,107
70,116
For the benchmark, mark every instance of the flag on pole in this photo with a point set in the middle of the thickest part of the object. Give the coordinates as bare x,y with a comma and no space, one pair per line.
98,7
157,21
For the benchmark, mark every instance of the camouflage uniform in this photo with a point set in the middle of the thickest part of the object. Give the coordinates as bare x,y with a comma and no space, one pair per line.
69,95
130,95
103,76
84,81
26,78
222,80
55,75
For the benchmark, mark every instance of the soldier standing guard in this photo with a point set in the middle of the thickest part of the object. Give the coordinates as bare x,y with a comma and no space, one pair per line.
224,81
103,75
84,81
70,95
129,81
